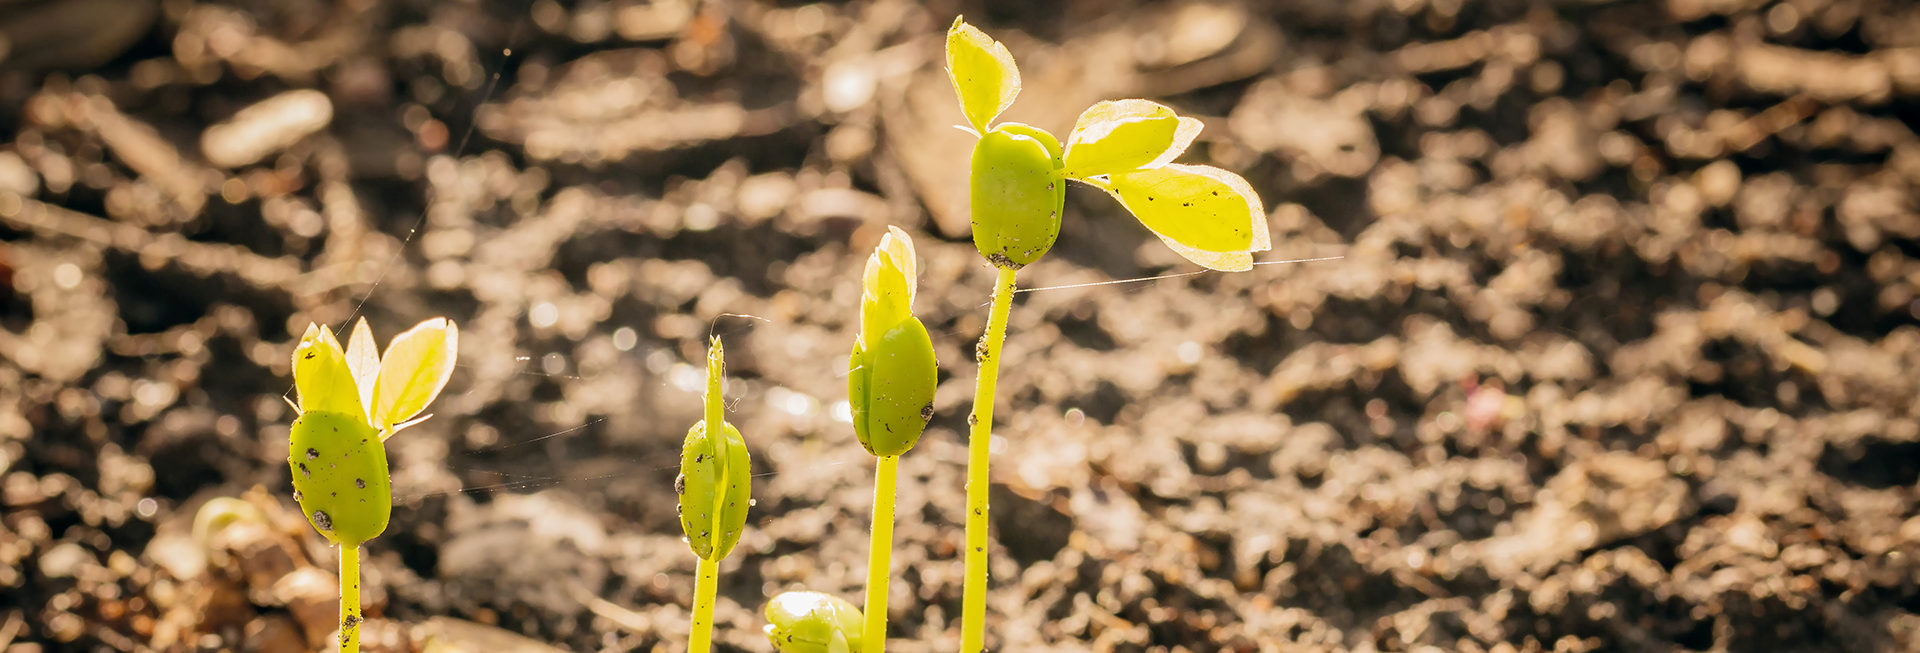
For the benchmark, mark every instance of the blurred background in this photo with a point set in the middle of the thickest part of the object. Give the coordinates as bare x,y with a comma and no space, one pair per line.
1620,355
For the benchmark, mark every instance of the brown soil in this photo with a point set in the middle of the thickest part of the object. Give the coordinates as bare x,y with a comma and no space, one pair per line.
1620,355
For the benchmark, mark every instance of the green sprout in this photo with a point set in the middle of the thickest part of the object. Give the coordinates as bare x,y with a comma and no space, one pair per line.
350,403
1017,188
890,385
715,488
813,622
891,377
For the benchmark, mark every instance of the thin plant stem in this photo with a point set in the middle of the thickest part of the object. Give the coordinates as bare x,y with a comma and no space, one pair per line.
707,572
974,599
873,638
350,598
706,581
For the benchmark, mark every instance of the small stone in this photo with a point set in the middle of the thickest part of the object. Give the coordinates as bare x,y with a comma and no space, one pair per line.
267,127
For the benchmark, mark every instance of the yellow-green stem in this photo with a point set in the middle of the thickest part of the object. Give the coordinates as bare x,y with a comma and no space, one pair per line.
716,403
973,612
873,638
707,579
350,598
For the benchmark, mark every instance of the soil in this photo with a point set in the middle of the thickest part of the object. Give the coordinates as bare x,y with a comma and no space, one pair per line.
1618,354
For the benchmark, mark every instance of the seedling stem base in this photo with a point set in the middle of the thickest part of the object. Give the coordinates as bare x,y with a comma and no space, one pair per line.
350,598
873,636
974,600
706,582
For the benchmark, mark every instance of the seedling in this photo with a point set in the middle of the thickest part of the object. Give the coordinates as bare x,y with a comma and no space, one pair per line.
891,377
350,403
1018,189
715,488
890,385
813,622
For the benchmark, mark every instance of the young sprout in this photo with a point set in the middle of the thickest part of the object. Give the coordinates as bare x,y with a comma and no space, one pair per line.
220,512
890,384
350,403
715,491
813,622
1017,188
891,377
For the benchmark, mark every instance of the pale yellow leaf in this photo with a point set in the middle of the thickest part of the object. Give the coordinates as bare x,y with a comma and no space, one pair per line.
363,359
416,367
982,72
1208,215
1119,135
320,374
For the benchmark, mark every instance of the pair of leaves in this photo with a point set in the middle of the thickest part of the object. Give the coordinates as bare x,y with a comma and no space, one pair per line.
385,392
1208,215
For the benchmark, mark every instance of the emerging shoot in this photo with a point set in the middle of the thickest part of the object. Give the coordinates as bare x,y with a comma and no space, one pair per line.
715,491
891,374
891,384
350,402
813,622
